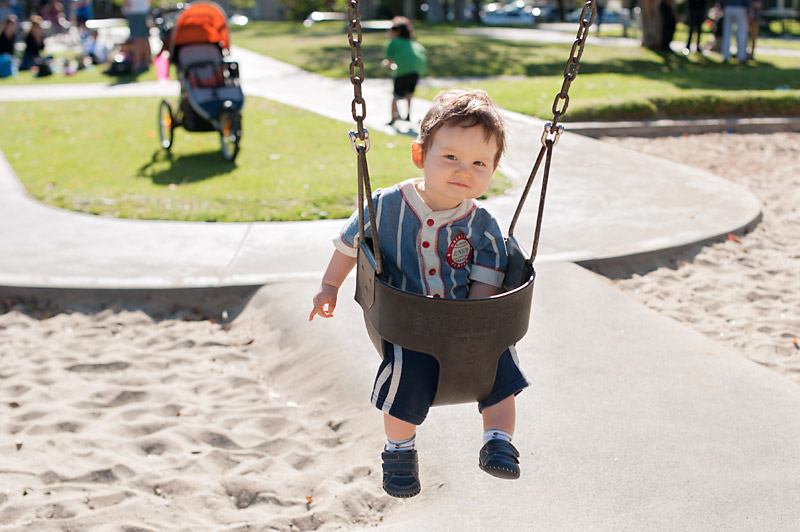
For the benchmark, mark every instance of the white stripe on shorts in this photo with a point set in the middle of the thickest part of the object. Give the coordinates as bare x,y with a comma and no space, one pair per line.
382,378
397,372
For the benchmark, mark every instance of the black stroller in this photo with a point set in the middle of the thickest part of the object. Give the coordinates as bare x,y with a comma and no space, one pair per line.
211,99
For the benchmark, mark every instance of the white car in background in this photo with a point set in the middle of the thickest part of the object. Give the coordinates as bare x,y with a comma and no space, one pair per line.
516,14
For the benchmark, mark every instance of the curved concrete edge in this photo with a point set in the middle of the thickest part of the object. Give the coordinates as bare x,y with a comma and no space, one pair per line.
608,203
603,202
661,128
221,304
646,261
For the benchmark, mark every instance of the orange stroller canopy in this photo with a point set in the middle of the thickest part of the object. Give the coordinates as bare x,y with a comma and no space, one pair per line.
203,22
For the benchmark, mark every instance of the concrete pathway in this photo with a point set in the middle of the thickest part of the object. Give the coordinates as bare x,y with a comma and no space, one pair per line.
636,204
633,421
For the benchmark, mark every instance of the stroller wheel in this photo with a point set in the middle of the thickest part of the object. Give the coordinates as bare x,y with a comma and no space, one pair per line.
166,123
230,134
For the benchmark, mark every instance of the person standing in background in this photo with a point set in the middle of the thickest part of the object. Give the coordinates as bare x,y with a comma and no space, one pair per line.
735,13
697,15
137,11
407,60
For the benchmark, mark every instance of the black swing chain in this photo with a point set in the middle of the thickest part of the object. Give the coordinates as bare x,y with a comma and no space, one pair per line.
354,35
359,139
552,129
550,136
574,62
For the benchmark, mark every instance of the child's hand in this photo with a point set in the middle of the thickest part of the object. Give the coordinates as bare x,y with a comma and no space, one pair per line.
324,302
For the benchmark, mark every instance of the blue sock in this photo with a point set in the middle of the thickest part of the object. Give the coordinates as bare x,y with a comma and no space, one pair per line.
494,434
402,445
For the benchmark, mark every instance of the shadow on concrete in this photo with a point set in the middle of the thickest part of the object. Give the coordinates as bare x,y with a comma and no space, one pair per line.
646,262
220,304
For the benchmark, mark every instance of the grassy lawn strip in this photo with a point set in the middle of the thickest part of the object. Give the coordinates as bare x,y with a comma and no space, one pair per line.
89,75
599,97
774,38
103,157
614,83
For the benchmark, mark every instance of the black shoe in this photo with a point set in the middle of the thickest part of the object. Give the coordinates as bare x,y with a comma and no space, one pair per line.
401,473
500,459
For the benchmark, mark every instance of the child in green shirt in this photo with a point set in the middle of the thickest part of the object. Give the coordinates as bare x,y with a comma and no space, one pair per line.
407,59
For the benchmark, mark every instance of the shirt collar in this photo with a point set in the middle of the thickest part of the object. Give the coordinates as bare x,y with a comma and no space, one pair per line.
410,192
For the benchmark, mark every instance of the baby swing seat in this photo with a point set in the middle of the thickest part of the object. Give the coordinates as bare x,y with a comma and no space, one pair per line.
465,336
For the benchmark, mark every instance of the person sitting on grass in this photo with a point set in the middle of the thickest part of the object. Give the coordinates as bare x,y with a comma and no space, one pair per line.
94,51
8,34
437,240
34,44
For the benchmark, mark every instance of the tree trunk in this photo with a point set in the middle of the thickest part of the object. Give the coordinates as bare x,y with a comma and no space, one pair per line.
563,6
651,24
410,9
458,11
435,14
367,9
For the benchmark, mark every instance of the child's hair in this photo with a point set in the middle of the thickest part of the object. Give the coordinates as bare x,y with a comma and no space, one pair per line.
465,108
404,27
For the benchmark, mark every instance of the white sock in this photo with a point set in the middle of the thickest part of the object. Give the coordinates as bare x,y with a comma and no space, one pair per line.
402,445
494,434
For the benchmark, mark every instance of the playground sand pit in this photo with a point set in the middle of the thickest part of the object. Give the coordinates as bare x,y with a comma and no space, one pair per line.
119,419
116,419
743,292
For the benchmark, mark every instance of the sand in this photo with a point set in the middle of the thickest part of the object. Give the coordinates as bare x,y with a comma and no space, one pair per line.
116,419
744,292
124,418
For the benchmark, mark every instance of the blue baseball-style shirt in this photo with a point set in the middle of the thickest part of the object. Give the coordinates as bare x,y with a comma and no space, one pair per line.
427,252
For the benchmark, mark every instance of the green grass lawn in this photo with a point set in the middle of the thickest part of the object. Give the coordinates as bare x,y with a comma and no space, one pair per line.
613,84
93,75
103,157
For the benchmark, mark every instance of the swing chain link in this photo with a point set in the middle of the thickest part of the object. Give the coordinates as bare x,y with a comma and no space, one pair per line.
551,134
572,66
354,141
359,105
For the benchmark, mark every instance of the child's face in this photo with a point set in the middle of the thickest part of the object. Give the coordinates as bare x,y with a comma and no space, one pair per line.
458,165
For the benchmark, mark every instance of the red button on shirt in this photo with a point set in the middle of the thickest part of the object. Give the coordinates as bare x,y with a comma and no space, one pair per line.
426,244
432,271
436,295
430,222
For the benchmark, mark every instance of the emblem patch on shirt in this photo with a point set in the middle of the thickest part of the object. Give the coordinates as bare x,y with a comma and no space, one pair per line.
458,252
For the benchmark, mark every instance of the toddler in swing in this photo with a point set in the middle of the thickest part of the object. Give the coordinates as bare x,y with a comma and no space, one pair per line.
437,240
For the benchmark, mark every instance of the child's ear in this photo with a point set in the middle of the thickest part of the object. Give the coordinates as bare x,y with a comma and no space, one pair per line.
417,155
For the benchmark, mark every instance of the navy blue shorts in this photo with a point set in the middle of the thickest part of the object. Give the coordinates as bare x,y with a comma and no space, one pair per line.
137,23
405,85
406,382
